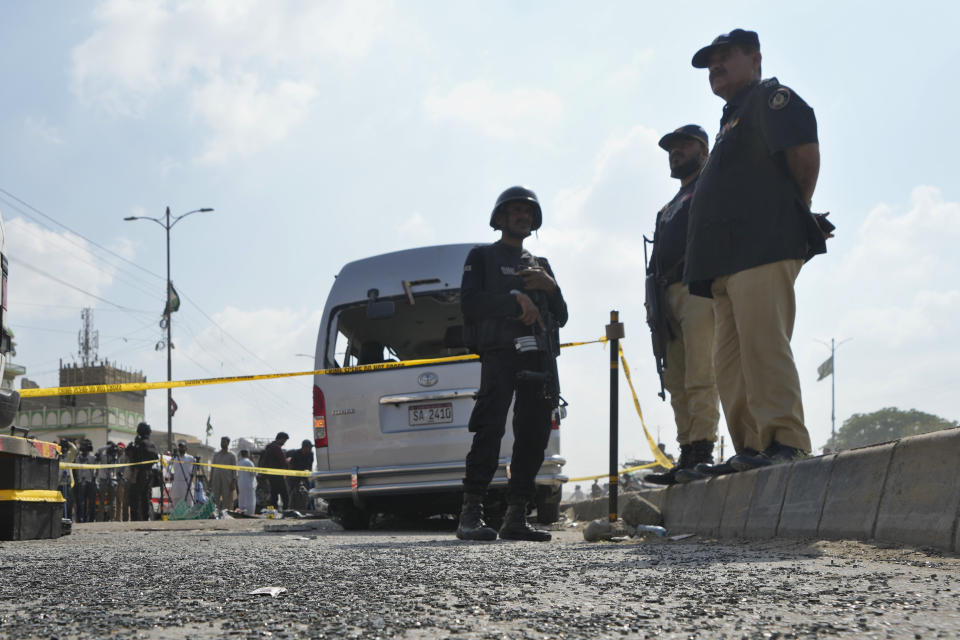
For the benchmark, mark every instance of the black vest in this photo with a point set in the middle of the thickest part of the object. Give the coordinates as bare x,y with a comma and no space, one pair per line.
746,210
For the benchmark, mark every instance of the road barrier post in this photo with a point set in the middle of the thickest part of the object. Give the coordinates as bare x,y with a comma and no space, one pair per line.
614,334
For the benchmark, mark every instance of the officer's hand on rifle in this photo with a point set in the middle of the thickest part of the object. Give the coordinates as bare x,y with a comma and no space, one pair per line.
529,313
536,279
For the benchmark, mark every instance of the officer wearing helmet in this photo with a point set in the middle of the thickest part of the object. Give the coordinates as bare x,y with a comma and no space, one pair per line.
512,309
141,450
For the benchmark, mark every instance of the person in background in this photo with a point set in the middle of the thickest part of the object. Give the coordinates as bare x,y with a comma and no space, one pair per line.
181,468
300,460
273,457
68,453
86,484
107,482
223,482
141,475
246,485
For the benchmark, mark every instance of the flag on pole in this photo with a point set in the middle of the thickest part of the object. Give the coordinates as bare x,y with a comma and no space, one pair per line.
209,426
173,407
173,301
825,369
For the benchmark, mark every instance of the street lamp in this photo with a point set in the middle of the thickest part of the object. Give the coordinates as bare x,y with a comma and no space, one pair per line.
167,224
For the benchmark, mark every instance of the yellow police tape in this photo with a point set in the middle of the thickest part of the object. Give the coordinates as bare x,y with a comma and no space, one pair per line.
147,386
605,475
658,455
167,463
30,495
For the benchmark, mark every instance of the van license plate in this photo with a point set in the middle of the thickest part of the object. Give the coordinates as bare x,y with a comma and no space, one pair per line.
424,414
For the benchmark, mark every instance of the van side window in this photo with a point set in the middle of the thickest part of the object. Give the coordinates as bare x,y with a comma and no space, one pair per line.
341,351
432,327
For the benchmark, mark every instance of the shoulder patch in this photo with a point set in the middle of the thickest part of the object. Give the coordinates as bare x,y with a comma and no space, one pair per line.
467,267
779,99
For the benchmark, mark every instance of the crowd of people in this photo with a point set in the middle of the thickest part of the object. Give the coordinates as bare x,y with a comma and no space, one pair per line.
120,484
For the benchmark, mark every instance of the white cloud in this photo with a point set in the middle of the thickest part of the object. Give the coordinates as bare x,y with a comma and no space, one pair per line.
895,292
630,74
214,52
416,231
890,284
39,127
505,115
259,408
244,117
63,256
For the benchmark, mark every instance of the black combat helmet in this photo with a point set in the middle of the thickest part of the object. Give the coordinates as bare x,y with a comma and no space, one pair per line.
518,193
143,430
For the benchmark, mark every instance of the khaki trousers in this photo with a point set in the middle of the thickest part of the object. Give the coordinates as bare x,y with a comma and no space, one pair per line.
689,374
756,375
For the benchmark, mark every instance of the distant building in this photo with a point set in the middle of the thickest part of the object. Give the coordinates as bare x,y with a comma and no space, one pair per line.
98,416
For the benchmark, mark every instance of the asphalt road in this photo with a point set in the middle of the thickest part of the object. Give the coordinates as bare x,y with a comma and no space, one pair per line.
192,579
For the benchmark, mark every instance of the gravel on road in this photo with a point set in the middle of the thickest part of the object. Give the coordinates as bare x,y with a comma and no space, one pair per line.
192,580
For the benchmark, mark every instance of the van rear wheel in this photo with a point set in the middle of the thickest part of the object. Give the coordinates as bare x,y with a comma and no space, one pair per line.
548,504
349,516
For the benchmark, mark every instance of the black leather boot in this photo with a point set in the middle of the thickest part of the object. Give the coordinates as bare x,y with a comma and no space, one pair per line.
472,526
516,527
701,451
670,477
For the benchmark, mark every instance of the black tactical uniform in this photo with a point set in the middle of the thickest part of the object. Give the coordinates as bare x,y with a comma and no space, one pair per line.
492,283
141,450
746,210
491,310
750,229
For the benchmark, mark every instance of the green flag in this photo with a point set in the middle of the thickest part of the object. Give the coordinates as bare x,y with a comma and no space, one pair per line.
825,369
173,301
209,427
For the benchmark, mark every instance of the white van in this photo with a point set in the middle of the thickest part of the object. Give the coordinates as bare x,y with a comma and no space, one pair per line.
394,441
9,399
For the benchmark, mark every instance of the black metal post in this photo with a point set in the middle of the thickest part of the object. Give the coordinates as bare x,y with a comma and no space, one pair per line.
614,334
169,334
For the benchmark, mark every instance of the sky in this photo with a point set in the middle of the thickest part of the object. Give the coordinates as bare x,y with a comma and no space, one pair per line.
324,132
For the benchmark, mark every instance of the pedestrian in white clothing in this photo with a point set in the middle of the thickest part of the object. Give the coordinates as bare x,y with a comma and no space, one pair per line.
247,485
181,468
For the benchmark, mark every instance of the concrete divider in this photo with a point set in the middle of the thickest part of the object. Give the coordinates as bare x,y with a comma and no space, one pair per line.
853,493
692,506
674,501
906,491
921,498
714,500
736,508
769,488
803,500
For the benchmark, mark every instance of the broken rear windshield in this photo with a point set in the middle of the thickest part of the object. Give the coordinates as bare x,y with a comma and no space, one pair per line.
432,327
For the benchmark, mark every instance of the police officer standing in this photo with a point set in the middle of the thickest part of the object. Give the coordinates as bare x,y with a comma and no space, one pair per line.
141,450
507,294
688,374
750,231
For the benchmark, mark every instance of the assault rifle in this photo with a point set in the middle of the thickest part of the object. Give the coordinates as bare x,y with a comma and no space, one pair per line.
660,332
540,352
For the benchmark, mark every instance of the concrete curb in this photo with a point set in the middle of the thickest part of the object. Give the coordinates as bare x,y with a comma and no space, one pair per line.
906,491
921,500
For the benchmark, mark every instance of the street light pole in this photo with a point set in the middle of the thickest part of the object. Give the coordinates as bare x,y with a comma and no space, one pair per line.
169,314
167,225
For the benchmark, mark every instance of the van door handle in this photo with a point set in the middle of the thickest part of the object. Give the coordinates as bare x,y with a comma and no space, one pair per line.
429,396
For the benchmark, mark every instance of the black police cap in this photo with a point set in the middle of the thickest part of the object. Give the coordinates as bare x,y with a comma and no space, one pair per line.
518,193
701,59
687,131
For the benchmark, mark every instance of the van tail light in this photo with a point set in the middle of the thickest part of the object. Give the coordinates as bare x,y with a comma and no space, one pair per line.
558,414
319,418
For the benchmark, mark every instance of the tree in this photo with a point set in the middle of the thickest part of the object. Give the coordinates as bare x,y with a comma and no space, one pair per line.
862,429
